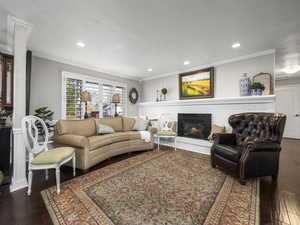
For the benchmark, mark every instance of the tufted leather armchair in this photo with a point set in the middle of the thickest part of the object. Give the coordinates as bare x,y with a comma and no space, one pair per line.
253,147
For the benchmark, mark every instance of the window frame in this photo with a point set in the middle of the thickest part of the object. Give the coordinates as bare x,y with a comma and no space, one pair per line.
87,78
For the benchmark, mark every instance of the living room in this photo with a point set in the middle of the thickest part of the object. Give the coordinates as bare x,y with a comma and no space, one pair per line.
146,112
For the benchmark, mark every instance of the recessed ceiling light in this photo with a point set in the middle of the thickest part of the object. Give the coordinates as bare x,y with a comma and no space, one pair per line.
186,62
149,69
80,44
291,69
236,45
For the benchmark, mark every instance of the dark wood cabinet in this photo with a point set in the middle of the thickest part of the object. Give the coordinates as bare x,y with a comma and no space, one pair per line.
6,154
6,79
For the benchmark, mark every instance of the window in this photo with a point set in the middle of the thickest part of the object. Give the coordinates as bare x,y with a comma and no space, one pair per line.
73,99
100,91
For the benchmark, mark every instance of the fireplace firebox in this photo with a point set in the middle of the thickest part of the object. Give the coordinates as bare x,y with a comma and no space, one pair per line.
194,125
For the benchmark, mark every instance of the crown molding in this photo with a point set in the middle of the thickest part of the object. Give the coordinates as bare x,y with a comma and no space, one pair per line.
82,65
6,49
11,23
218,63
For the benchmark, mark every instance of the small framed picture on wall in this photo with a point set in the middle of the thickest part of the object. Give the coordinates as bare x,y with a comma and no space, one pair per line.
197,84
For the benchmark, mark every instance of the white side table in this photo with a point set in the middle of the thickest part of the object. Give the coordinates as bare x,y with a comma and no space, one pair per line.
166,136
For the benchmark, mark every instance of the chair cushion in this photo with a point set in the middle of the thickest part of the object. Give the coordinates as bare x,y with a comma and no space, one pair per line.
228,152
166,133
52,156
106,139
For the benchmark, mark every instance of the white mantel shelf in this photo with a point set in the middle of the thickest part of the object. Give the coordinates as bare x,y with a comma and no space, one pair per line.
215,101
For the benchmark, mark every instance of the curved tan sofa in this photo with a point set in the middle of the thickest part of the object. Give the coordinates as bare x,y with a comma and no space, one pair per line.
92,148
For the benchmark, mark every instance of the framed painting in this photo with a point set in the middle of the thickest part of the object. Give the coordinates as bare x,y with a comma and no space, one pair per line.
197,84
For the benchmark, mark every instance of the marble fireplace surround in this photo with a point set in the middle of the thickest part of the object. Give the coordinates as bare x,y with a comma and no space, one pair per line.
220,108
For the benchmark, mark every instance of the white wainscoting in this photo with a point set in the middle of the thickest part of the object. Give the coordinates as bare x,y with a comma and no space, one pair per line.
220,108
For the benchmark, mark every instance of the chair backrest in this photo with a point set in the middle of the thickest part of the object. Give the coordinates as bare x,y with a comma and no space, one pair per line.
257,127
166,123
35,134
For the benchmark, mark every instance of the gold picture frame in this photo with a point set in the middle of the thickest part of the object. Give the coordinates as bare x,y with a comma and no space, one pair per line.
266,80
197,84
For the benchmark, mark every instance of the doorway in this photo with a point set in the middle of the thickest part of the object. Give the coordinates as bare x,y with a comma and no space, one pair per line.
288,102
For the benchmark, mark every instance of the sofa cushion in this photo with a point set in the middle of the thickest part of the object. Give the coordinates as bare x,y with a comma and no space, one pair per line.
128,123
106,139
105,129
116,123
140,124
85,128
133,135
229,152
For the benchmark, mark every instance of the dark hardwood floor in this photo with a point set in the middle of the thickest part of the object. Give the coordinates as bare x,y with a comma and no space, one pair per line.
280,202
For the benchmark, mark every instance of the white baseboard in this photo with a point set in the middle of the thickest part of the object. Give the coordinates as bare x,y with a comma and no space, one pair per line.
17,185
190,144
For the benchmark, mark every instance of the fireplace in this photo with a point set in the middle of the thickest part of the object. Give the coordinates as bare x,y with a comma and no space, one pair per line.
194,125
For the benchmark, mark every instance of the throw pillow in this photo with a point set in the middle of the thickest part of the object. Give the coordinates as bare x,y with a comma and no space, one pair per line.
105,129
140,124
214,130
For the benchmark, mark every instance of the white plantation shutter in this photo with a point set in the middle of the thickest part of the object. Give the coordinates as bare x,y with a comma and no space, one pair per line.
106,96
93,89
73,90
101,92
121,106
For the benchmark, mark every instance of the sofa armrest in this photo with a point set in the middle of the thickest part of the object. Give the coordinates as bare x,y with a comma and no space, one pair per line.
255,146
152,130
72,140
224,139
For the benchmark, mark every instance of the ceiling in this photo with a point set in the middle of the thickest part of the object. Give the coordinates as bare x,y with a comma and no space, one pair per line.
127,37
3,29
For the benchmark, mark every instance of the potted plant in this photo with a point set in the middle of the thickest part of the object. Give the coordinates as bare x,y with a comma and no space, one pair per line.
46,115
164,91
257,88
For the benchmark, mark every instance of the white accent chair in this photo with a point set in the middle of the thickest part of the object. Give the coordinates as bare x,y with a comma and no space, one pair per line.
39,156
166,130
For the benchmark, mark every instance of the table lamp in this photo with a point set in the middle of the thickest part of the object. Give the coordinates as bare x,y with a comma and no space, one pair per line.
116,100
86,97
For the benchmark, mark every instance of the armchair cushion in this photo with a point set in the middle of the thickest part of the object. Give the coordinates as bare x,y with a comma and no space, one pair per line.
52,156
228,151
226,139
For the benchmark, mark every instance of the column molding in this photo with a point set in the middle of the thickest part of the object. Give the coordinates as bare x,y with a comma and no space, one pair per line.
19,32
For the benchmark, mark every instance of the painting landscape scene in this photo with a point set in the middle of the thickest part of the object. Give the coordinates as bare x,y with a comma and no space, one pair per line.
196,84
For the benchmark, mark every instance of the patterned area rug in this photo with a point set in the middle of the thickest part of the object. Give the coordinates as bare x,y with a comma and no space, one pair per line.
166,187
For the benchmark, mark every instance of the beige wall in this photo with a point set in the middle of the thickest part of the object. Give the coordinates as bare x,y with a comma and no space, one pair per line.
46,84
226,78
